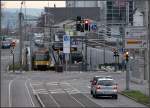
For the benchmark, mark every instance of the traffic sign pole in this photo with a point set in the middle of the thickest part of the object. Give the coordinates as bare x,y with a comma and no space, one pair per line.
12,52
127,75
149,43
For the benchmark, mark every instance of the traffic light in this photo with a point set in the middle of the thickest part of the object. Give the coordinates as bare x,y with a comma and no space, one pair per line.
78,23
108,32
116,53
127,56
86,25
82,28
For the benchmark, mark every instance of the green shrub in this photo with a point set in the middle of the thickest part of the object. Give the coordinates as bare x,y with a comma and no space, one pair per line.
16,66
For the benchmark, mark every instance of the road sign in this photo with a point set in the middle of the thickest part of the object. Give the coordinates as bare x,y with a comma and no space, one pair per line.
94,27
12,51
66,44
136,32
135,43
135,37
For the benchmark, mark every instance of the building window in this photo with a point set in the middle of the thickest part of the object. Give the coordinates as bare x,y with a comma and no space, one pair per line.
116,10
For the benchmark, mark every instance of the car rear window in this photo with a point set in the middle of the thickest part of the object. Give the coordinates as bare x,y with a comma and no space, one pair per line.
106,82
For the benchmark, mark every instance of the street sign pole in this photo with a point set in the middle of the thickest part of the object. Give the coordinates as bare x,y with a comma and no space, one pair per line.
86,51
66,62
20,34
66,47
13,62
127,75
149,43
12,52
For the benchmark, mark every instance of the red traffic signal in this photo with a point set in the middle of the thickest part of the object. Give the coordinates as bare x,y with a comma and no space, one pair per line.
86,25
13,44
86,22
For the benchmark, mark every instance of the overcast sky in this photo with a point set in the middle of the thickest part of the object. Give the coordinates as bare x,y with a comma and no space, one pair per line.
33,4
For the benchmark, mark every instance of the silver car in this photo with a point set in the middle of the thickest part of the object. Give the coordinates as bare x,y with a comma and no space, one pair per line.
105,87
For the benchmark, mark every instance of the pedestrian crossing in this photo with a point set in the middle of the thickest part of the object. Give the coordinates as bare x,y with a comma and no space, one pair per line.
56,88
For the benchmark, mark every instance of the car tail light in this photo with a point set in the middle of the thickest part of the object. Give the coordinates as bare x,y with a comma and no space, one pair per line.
98,87
115,87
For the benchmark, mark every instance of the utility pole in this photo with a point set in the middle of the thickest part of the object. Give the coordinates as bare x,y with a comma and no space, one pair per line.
0,34
127,57
104,51
20,34
149,42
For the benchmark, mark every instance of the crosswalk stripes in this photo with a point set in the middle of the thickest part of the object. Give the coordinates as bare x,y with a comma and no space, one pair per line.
56,88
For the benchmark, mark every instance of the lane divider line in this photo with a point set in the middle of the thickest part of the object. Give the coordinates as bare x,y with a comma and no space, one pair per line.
49,94
10,83
54,100
29,93
77,101
73,90
40,100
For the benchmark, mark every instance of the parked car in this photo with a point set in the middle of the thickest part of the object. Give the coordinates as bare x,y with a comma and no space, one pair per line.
12,41
104,86
6,44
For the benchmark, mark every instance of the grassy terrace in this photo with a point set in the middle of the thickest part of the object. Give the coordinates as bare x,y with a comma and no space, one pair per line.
137,96
16,67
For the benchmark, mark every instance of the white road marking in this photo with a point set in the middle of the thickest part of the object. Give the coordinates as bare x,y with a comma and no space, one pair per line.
31,87
40,100
70,89
29,93
54,100
39,90
43,92
65,83
36,83
89,86
77,101
88,98
10,83
52,83
54,91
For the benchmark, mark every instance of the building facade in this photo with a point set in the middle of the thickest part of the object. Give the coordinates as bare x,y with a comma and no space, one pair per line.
77,3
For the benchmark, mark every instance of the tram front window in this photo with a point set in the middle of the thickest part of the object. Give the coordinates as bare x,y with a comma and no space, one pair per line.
41,57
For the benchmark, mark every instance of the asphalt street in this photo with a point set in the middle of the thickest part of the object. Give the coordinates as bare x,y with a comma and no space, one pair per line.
52,89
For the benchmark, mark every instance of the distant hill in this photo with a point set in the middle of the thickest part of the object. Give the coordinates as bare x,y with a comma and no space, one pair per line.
10,16
29,11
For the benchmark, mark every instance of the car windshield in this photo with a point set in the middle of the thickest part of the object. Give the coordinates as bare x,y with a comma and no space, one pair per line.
106,82
6,42
40,57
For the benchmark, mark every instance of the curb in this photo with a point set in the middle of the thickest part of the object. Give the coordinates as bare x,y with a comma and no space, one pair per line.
16,72
132,98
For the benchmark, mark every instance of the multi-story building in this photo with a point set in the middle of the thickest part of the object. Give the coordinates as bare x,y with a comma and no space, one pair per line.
113,12
77,3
